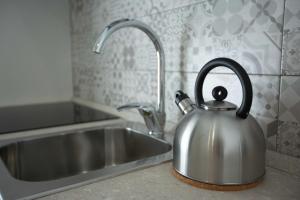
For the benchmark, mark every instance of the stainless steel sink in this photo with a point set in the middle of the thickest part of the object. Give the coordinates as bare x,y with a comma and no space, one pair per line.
36,166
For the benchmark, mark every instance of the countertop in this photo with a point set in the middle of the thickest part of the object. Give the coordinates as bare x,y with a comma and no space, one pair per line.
158,183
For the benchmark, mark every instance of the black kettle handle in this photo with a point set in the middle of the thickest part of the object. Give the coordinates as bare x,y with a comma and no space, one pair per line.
243,110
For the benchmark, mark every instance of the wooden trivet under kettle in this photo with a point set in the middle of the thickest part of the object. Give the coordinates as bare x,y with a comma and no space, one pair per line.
217,142
215,187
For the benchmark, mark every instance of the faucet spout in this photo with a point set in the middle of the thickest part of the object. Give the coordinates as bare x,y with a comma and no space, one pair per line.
116,25
100,41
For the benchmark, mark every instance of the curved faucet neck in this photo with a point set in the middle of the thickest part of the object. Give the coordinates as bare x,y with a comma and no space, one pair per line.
116,25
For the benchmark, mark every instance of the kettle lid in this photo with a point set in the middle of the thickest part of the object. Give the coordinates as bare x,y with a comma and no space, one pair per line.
217,105
219,93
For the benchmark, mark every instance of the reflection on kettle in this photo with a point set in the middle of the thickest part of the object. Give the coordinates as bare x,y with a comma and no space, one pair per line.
216,142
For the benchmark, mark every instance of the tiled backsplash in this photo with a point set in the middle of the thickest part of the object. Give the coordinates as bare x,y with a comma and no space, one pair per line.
262,35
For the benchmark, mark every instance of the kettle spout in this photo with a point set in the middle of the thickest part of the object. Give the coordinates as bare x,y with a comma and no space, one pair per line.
184,102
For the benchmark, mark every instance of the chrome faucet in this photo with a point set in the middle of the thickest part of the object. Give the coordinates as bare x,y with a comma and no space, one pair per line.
154,117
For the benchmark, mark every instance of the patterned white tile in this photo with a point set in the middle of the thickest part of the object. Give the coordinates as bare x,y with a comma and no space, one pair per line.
291,53
190,38
249,32
109,10
291,39
114,87
292,15
289,138
138,8
289,109
289,116
270,129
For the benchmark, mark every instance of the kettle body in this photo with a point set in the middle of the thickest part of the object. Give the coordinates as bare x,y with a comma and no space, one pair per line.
219,148
213,144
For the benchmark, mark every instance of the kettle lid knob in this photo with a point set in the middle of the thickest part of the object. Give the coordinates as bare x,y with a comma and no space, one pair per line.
219,93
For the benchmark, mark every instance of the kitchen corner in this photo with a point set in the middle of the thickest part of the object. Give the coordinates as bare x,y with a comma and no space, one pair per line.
140,99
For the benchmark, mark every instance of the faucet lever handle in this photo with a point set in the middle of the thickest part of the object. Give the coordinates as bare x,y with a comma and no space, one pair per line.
150,117
140,106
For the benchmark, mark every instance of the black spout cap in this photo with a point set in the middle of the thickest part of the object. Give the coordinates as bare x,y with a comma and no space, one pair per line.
179,96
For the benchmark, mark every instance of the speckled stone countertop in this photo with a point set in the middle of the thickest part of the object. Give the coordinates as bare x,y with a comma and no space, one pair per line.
158,183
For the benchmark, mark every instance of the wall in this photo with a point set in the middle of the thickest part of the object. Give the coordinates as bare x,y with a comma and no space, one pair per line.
35,57
261,35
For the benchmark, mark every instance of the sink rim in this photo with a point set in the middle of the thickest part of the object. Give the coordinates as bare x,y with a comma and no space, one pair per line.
75,131
10,187
134,126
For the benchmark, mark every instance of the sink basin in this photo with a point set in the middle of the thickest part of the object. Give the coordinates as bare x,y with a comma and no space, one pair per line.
66,155
41,164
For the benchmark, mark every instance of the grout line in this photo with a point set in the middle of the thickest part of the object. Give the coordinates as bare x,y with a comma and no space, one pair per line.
282,37
278,115
295,75
191,72
280,78
71,28
223,73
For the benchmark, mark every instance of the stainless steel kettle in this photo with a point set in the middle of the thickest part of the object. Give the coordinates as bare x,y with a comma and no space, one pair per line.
215,142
